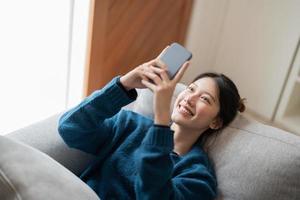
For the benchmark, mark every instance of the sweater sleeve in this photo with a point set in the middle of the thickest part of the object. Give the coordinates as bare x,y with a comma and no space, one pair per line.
155,178
89,125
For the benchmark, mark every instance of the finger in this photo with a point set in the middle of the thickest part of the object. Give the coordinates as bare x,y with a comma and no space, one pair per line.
181,72
144,77
152,76
162,73
165,76
161,64
142,70
149,85
158,63
163,51
156,69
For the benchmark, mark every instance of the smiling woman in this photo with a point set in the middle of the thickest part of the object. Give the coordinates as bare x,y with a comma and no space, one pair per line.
150,150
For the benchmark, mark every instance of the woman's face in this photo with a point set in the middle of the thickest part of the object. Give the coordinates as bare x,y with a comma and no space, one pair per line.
198,105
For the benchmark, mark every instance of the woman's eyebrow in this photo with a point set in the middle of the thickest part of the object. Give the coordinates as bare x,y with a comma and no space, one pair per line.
213,98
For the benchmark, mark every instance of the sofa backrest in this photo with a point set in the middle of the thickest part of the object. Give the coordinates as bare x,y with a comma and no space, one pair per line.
256,161
252,160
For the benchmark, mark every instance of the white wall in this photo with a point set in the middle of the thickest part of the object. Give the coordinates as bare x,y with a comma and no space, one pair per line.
42,59
203,35
253,44
33,64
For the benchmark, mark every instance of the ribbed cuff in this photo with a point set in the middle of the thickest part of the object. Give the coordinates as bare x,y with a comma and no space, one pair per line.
116,95
161,136
161,126
130,93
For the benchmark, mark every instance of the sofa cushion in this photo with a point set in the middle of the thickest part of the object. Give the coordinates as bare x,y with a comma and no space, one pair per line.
44,136
28,174
252,160
256,161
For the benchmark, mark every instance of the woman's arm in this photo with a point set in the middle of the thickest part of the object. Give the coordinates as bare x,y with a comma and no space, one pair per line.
155,171
88,126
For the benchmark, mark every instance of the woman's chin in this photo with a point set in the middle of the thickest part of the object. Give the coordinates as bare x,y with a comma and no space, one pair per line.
179,119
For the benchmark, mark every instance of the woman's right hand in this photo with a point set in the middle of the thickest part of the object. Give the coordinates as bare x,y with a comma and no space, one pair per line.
133,79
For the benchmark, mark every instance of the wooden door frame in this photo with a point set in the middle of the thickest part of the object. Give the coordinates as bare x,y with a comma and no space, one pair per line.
96,40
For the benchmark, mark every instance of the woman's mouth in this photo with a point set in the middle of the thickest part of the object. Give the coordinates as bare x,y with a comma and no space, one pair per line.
184,110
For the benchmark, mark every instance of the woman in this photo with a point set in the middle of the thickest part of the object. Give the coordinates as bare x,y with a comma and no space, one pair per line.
140,158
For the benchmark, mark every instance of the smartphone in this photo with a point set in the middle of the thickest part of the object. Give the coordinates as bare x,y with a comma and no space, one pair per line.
174,57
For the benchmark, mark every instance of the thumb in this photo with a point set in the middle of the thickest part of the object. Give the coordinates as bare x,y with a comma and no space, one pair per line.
181,71
163,51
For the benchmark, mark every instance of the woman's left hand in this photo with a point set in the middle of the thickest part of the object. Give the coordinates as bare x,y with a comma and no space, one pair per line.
157,80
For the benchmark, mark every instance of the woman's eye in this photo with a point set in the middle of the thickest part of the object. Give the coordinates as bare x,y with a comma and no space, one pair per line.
190,89
205,99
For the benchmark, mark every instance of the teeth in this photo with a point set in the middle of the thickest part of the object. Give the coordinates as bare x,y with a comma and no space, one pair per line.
184,110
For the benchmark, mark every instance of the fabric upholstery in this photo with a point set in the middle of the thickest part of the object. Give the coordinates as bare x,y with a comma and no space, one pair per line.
28,174
44,136
256,161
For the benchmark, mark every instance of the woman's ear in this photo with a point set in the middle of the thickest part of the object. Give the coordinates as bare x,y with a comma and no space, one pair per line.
217,123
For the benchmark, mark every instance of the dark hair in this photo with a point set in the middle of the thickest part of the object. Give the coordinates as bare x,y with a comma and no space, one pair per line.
229,98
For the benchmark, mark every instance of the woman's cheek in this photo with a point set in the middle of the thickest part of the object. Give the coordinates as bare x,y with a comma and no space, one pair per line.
179,98
203,110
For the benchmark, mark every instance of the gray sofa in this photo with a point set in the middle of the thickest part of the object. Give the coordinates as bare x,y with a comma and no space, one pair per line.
252,161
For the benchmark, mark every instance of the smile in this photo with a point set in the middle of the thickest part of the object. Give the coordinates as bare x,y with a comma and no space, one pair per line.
185,110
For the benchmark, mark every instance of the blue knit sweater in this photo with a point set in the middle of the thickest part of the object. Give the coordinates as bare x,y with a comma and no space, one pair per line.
134,157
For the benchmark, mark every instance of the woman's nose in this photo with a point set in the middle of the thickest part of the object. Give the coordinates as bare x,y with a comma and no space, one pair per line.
190,99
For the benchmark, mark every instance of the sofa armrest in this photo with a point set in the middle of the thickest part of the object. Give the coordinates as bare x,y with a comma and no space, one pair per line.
44,136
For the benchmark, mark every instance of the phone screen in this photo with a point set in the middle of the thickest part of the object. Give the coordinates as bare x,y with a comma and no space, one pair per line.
174,57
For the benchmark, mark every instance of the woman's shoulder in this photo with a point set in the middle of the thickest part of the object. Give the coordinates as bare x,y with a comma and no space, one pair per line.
197,156
196,160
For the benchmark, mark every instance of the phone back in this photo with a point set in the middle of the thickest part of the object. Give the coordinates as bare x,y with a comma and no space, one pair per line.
174,57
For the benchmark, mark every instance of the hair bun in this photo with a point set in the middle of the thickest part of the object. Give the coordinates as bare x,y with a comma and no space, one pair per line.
242,106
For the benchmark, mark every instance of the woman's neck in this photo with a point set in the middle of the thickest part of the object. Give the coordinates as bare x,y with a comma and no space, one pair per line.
184,139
